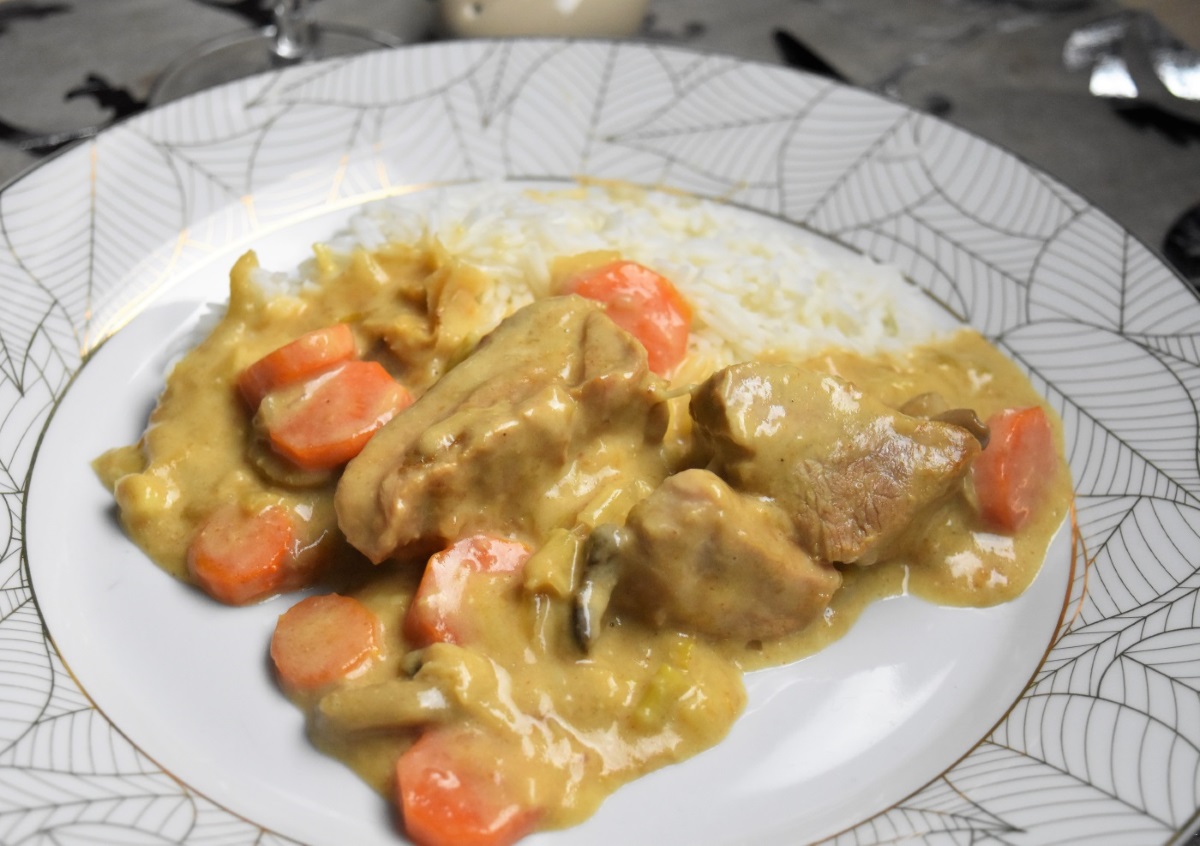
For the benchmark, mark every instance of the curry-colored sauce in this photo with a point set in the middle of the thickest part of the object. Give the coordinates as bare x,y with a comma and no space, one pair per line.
200,449
574,727
961,563
569,726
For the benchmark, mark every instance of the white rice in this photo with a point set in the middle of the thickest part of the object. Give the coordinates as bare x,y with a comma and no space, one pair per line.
755,284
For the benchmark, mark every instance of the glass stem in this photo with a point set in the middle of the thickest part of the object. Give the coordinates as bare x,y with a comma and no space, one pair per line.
294,38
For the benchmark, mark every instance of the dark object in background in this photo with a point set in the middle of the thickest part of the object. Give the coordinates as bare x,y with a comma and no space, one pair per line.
1133,60
1182,246
255,11
15,10
797,54
1178,130
690,31
118,100
107,96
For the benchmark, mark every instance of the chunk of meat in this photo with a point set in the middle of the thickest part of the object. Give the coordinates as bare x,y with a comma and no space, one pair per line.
514,439
853,474
700,556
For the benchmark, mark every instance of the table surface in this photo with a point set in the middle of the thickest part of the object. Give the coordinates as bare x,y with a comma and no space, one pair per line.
993,67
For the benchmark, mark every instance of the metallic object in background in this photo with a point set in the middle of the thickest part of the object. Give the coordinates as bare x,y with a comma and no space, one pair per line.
290,38
1133,58
1143,70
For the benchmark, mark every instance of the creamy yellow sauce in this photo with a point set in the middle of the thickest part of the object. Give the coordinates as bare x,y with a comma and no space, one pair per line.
962,563
569,726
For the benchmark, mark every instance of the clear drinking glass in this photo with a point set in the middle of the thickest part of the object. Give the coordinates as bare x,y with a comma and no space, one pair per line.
291,37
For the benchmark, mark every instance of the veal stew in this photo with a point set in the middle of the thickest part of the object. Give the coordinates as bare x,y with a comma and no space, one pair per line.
540,555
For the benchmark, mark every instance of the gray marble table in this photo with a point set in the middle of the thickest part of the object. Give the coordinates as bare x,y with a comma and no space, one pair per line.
994,67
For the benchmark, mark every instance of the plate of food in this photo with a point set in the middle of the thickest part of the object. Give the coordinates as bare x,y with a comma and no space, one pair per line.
587,442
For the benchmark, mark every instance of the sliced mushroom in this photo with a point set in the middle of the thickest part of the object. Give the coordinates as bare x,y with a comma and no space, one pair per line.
966,418
933,406
601,571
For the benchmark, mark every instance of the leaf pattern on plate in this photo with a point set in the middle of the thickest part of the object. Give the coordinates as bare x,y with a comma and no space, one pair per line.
26,678
1084,725
1035,796
1092,272
150,802
1102,745
1126,604
44,281
280,183
382,79
1133,429
538,140
990,186
908,201
876,174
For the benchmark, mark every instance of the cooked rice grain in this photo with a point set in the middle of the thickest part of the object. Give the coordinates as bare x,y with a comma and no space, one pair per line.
756,284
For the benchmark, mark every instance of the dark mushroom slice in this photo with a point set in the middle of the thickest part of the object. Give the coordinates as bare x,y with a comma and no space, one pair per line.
601,570
966,418
933,406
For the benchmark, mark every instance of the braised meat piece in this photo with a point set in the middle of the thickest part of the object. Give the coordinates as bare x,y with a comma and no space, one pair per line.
700,556
853,474
514,439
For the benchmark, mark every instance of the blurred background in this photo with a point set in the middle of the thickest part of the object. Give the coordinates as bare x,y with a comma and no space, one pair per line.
1047,79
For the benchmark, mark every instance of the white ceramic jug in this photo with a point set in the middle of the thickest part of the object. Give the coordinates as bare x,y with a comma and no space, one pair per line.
574,18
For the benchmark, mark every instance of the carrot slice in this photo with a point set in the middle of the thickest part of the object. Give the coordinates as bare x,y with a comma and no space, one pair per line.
296,361
322,639
332,418
643,303
239,557
439,611
1012,475
449,796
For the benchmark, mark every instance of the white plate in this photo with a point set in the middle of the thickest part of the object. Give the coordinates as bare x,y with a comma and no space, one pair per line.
1071,714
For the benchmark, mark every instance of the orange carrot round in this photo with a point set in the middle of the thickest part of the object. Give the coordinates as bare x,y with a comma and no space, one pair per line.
643,303
331,420
322,639
1012,475
239,557
437,612
449,797
296,361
